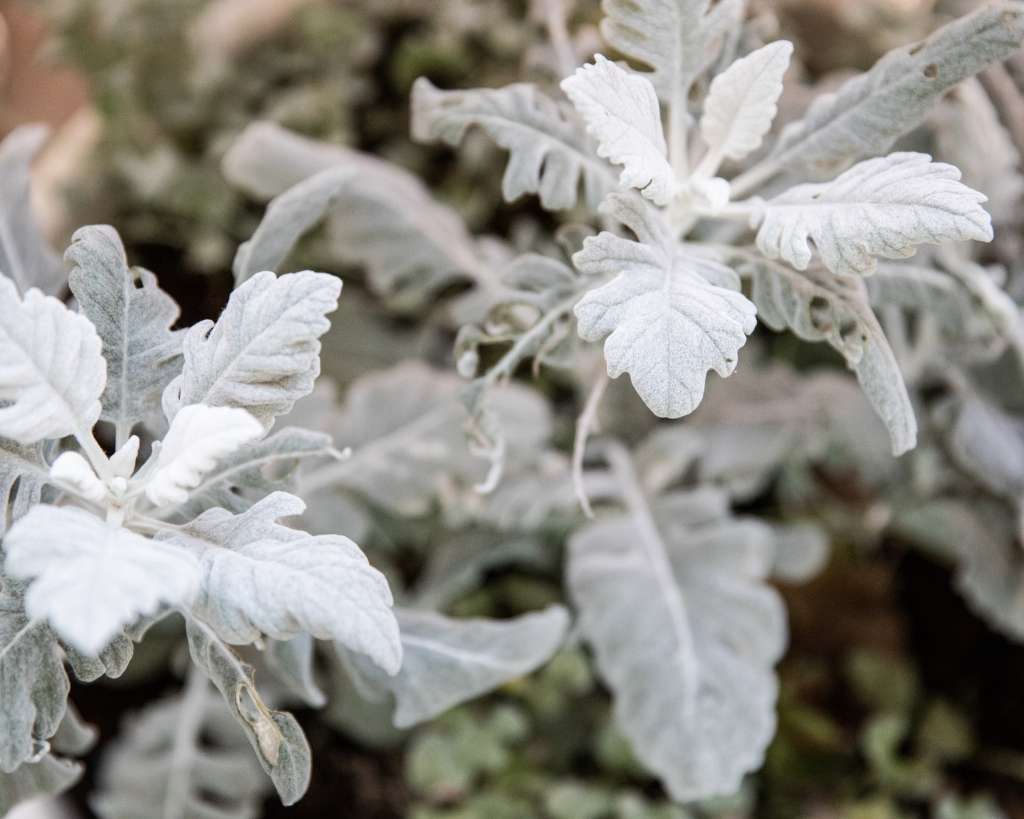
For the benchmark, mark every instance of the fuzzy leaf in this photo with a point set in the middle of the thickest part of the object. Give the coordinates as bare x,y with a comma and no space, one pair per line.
881,207
622,113
448,661
820,306
291,662
275,736
405,426
50,776
665,325
261,578
378,215
741,102
199,438
133,319
33,685
25,255
91,578
549,151
255,470
157,769
667,35
988,443
872,110
689,656
51,369
263,353
23,474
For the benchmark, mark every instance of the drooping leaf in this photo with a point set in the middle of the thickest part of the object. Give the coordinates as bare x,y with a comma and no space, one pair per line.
665,324
133,319
260,577
91,578
872,110
25,256
881,207
687,642
820,306
159,767
378,215
263,353
51,369
199,438
275,736
622,113
33,685
666,35
741,102
549,152
448,661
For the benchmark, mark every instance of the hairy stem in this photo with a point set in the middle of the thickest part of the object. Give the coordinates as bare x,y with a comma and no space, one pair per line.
186,737
585,424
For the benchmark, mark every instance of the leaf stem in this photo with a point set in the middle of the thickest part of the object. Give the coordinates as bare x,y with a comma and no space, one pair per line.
754,177
585,424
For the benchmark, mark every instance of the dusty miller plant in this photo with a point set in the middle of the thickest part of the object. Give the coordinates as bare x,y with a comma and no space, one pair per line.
712,223
183,511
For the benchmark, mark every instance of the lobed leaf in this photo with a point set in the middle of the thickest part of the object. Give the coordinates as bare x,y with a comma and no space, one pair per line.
881,207
52,372
133,319
665,324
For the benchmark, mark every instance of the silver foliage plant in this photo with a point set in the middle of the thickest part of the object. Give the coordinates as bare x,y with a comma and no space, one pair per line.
184,509
714,220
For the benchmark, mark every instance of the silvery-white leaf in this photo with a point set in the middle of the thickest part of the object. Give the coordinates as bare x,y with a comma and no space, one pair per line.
966,326
263,353
260,577
741,102
821,306
872,110
686,634
198,439
72,471
291,662
288,217
801,551
23,473
158,767
880,207
33,685
256,470
49,776
667,35
622,113
723,29
51,368
549,152
665,325
978,537
91,578
275,736
25,255
969,135
988,443
133,319
378,215
405,428
448,661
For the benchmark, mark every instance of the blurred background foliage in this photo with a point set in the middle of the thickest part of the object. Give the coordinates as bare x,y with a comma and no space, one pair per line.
896,700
